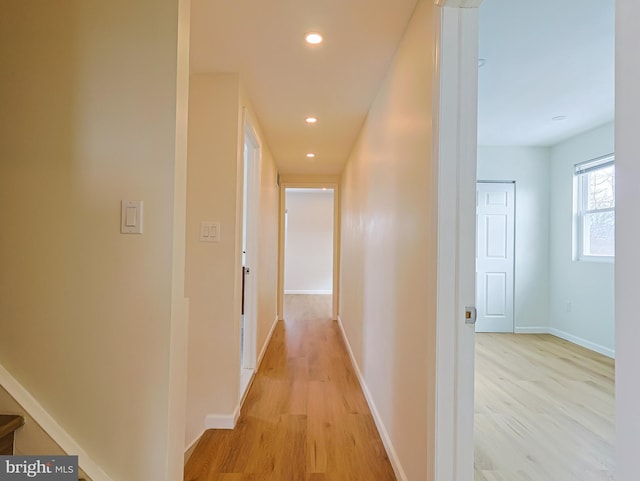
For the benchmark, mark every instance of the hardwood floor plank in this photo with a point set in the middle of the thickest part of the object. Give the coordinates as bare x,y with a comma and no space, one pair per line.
544,410
305,417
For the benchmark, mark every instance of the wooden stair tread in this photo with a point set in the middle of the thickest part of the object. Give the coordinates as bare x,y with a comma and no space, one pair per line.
9,423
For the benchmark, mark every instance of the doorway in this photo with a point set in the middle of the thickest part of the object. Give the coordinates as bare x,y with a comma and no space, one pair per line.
457,147
250,209
495,253
308,252
328,184
550,282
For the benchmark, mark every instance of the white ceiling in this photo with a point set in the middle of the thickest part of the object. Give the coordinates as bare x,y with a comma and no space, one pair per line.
288,80
545,58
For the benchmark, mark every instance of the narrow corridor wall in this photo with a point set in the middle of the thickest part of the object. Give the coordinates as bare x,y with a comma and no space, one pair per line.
389,252
218,105
214,172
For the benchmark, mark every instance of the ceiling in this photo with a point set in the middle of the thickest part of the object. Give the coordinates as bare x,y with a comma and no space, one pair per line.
545,58
288,80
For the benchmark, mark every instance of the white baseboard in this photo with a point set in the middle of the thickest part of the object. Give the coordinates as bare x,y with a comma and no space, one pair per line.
191,447
259,361
311,291
384,434
246,378
222,421
50,425
605,351
532,330
266,343
226,421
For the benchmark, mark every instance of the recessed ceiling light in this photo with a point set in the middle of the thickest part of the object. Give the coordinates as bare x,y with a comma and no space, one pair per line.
559,117
314,38
310,155
482,62
311,120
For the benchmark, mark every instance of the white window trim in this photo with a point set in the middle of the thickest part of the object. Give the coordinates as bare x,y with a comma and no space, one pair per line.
580,211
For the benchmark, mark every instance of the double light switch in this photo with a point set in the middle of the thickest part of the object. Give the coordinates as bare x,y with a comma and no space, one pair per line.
209,231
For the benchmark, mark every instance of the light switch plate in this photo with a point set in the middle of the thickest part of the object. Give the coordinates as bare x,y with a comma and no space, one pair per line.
209,231
131,217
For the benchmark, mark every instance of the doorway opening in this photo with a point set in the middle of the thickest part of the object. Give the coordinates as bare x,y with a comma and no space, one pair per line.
308,253
557,297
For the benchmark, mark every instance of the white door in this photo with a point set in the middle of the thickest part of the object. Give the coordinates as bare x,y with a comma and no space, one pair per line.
495,212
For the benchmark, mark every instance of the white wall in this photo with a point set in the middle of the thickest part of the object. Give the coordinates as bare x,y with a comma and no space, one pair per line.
554,293
309,241
627,235
529,168
581,292
388,252
88,119
215,175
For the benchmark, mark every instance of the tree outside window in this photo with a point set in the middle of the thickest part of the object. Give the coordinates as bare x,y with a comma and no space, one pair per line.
596,208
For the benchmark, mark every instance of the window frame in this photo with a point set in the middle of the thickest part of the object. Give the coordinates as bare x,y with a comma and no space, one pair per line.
581,177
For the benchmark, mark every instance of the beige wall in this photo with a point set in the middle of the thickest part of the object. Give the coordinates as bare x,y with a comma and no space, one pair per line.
267,248
215,172
389,251
88,119
309,241
212,171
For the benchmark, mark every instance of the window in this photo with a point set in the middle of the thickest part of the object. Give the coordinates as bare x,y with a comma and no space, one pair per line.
595,180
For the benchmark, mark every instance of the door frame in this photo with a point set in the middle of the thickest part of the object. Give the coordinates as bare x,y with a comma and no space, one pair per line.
251,182
457,34
455,152
305,182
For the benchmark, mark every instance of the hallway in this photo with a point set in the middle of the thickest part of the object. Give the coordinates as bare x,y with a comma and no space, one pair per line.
305,416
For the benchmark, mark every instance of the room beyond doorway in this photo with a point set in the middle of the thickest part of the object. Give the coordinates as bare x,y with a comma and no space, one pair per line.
308,252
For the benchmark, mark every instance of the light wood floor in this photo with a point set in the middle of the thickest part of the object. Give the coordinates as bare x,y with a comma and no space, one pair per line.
307,307
544,410
305,417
